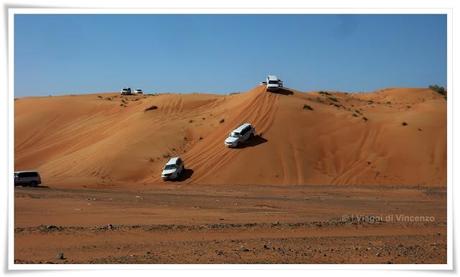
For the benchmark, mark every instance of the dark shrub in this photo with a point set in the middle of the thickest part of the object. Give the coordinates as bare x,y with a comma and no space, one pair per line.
333,99
439,89
307,107
151,108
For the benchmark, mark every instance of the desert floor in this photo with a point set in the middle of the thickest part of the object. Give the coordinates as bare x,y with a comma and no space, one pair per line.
230,224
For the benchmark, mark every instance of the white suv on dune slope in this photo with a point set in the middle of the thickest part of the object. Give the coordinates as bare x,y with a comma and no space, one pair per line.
240,135
172,169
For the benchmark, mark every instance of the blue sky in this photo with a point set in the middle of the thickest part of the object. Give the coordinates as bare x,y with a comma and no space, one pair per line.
59,54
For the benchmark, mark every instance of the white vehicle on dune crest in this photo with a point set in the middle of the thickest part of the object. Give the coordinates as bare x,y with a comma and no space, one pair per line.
273,83
172,169
126,91
240,135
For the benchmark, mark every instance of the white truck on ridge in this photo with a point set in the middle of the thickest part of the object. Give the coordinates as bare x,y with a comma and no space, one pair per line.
273,83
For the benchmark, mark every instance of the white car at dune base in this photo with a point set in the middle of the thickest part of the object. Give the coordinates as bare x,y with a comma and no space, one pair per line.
27,178
172,169
240,135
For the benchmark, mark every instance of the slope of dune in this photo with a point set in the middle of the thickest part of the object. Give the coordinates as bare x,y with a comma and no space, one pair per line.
389,137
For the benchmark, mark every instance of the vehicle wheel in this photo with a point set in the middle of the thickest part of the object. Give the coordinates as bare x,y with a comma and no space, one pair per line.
33,184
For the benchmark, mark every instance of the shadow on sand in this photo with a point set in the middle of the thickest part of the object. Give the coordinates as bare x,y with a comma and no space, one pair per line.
283,91
254,141
34,187
186,173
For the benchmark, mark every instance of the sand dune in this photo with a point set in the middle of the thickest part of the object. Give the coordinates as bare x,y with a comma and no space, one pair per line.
389,137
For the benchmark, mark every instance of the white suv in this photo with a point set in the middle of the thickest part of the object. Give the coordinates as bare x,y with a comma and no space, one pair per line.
240,135
172,169
273,83
126,91
138,91
27,178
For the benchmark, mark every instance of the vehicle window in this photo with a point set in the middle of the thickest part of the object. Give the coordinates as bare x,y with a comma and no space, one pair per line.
170,166
234,134
28,174
273,82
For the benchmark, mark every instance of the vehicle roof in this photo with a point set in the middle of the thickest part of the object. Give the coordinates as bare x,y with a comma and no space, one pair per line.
138,89
26,171
239,129
173,160
272,78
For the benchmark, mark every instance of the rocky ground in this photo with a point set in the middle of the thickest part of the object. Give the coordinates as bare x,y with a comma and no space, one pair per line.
231,224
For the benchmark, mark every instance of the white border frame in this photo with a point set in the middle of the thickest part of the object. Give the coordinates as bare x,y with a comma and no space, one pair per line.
15,11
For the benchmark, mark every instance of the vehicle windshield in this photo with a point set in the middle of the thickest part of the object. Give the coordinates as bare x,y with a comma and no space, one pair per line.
170,166
234,134
273,82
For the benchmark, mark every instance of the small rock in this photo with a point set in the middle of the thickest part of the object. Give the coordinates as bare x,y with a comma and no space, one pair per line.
60,256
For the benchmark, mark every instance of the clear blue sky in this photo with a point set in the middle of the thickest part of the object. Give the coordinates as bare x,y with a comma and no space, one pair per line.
58,54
